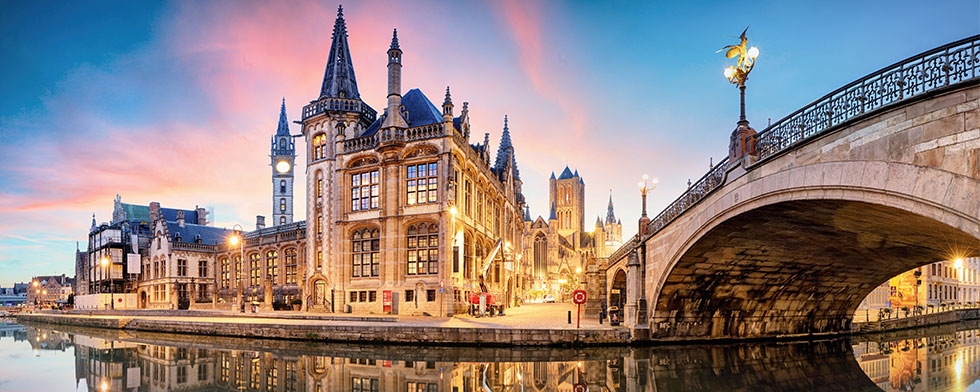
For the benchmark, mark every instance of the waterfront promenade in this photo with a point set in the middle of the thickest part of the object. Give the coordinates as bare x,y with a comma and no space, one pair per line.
529,325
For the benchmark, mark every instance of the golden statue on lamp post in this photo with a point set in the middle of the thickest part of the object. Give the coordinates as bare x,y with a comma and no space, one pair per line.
743,138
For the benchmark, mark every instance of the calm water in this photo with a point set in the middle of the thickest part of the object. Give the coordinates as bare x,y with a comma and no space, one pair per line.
45,358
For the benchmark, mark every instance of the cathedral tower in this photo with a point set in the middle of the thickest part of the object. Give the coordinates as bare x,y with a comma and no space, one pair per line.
283,158
567,194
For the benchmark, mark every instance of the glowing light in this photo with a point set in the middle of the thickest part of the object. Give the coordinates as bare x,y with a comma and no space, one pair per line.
35,283
958,367
105,386
578,270
958,263
753,52
282,167
453,211
233,240
729,72
104,261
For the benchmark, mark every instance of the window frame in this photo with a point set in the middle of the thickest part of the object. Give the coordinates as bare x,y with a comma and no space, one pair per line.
372,201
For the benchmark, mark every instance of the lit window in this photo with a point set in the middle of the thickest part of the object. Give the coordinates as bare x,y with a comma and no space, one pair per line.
225,278
366,247
253,265
423,249
319,147
422,183
468,194
272,264
365,191
291,266
282,205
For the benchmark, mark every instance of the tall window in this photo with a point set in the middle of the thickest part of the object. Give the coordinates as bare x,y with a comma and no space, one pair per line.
282,205
361,384
479,206
422,183
366,244
238,271
319,224
202,268
319,147
319,185
272,264
181,267
225,278
282,220
319,258
423,249
253,265
282,186
290,263
365,190
468,195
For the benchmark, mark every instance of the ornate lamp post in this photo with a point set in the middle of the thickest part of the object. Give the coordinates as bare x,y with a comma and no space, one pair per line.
743,141
646,185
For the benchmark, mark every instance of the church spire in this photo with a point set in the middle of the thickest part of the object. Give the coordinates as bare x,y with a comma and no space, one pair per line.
506,151
393,115
338,79
283,129
610,216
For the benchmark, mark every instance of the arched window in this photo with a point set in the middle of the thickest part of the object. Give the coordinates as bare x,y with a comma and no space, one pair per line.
253,269
282,144
319,147
238,271
282,205
272,264
540,256
282,220
290,264
423,249
319,184
282,186
366,246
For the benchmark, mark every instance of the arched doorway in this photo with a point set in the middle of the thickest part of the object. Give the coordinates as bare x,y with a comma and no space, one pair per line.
142,299
319,300
617,291
540,256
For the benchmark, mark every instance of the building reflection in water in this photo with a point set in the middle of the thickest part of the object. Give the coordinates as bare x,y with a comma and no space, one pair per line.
941,362
108,360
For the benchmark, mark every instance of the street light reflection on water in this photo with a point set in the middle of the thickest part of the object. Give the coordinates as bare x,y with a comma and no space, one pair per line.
943,358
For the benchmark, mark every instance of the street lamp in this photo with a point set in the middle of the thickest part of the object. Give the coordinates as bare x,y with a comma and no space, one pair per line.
112,300
646,185
743,138
238,239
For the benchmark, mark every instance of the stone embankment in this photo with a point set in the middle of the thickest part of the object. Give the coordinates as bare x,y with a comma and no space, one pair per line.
342,331
925,320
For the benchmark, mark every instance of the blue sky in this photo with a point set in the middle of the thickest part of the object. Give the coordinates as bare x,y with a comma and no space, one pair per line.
174,102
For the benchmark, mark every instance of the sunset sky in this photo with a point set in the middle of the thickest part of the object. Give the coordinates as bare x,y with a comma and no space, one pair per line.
175,102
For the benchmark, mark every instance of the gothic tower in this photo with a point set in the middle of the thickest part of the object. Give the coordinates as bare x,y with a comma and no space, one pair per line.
567,194
336,114
283,158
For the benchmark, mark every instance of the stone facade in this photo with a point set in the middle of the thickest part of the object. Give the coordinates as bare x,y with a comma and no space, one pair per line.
49,290
401,206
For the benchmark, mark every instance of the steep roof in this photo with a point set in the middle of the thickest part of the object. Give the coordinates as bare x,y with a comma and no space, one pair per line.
338,78
419,111
209,235
283,127
566,174
610,216
554,214
506,151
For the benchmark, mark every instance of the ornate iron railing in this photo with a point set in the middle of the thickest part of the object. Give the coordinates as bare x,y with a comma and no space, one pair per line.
624,249
712,180
944,66
329,104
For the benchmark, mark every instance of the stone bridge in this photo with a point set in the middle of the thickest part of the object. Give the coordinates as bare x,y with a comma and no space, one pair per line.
787,238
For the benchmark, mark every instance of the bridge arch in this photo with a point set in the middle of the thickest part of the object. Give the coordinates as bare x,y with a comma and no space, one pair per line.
796,250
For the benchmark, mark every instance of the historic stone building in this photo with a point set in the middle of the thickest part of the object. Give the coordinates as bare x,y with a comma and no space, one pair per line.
559,248
401,208
272,272
283,157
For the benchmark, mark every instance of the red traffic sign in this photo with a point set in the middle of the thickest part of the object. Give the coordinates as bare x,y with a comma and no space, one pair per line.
579,387
578,296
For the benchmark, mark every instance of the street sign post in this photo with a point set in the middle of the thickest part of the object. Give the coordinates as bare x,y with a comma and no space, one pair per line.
578,297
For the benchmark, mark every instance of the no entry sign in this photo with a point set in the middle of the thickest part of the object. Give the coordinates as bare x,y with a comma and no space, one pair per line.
578,297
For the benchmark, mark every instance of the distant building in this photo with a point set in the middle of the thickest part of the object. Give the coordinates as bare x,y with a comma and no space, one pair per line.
49,289
943,283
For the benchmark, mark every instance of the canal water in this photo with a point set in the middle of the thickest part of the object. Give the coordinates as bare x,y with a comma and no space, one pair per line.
35,357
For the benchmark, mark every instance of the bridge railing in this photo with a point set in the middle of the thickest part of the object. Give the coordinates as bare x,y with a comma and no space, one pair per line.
944,66
917,75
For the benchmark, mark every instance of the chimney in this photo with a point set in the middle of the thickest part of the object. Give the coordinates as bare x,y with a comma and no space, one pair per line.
259,222
154,211
180,218
202,216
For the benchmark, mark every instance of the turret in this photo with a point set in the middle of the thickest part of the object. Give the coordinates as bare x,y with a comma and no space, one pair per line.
447,107
393,117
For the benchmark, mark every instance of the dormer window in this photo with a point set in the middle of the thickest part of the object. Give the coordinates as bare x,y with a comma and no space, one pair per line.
197,238
177,237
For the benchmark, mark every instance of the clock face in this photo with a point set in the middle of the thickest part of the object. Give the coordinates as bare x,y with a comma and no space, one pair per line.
282,166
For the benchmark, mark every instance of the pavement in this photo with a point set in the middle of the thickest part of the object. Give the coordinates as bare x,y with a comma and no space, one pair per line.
528,316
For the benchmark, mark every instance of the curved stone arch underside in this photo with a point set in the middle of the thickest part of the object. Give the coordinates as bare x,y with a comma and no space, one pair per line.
795,252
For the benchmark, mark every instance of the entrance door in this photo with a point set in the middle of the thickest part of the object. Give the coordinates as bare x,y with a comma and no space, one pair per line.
617,295
319,293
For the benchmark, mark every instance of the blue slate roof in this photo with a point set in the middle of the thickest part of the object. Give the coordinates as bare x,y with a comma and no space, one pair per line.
338,78
554,214
283,128
419,111
137,213
566,174
209,235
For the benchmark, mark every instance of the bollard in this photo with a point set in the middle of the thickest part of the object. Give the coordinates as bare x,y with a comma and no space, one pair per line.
569,316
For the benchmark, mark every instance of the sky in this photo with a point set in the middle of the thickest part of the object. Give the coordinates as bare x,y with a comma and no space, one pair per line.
176,102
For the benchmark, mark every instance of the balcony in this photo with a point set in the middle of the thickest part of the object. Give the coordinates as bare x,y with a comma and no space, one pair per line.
329,104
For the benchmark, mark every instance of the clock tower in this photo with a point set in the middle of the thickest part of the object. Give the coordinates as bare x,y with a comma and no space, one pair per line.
283,157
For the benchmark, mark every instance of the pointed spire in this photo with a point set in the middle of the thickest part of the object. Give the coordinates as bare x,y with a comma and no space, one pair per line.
610,216
338,79
506,151
552,175
566,174
554,213
527,214
447,106
283,129
394,39
93,219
